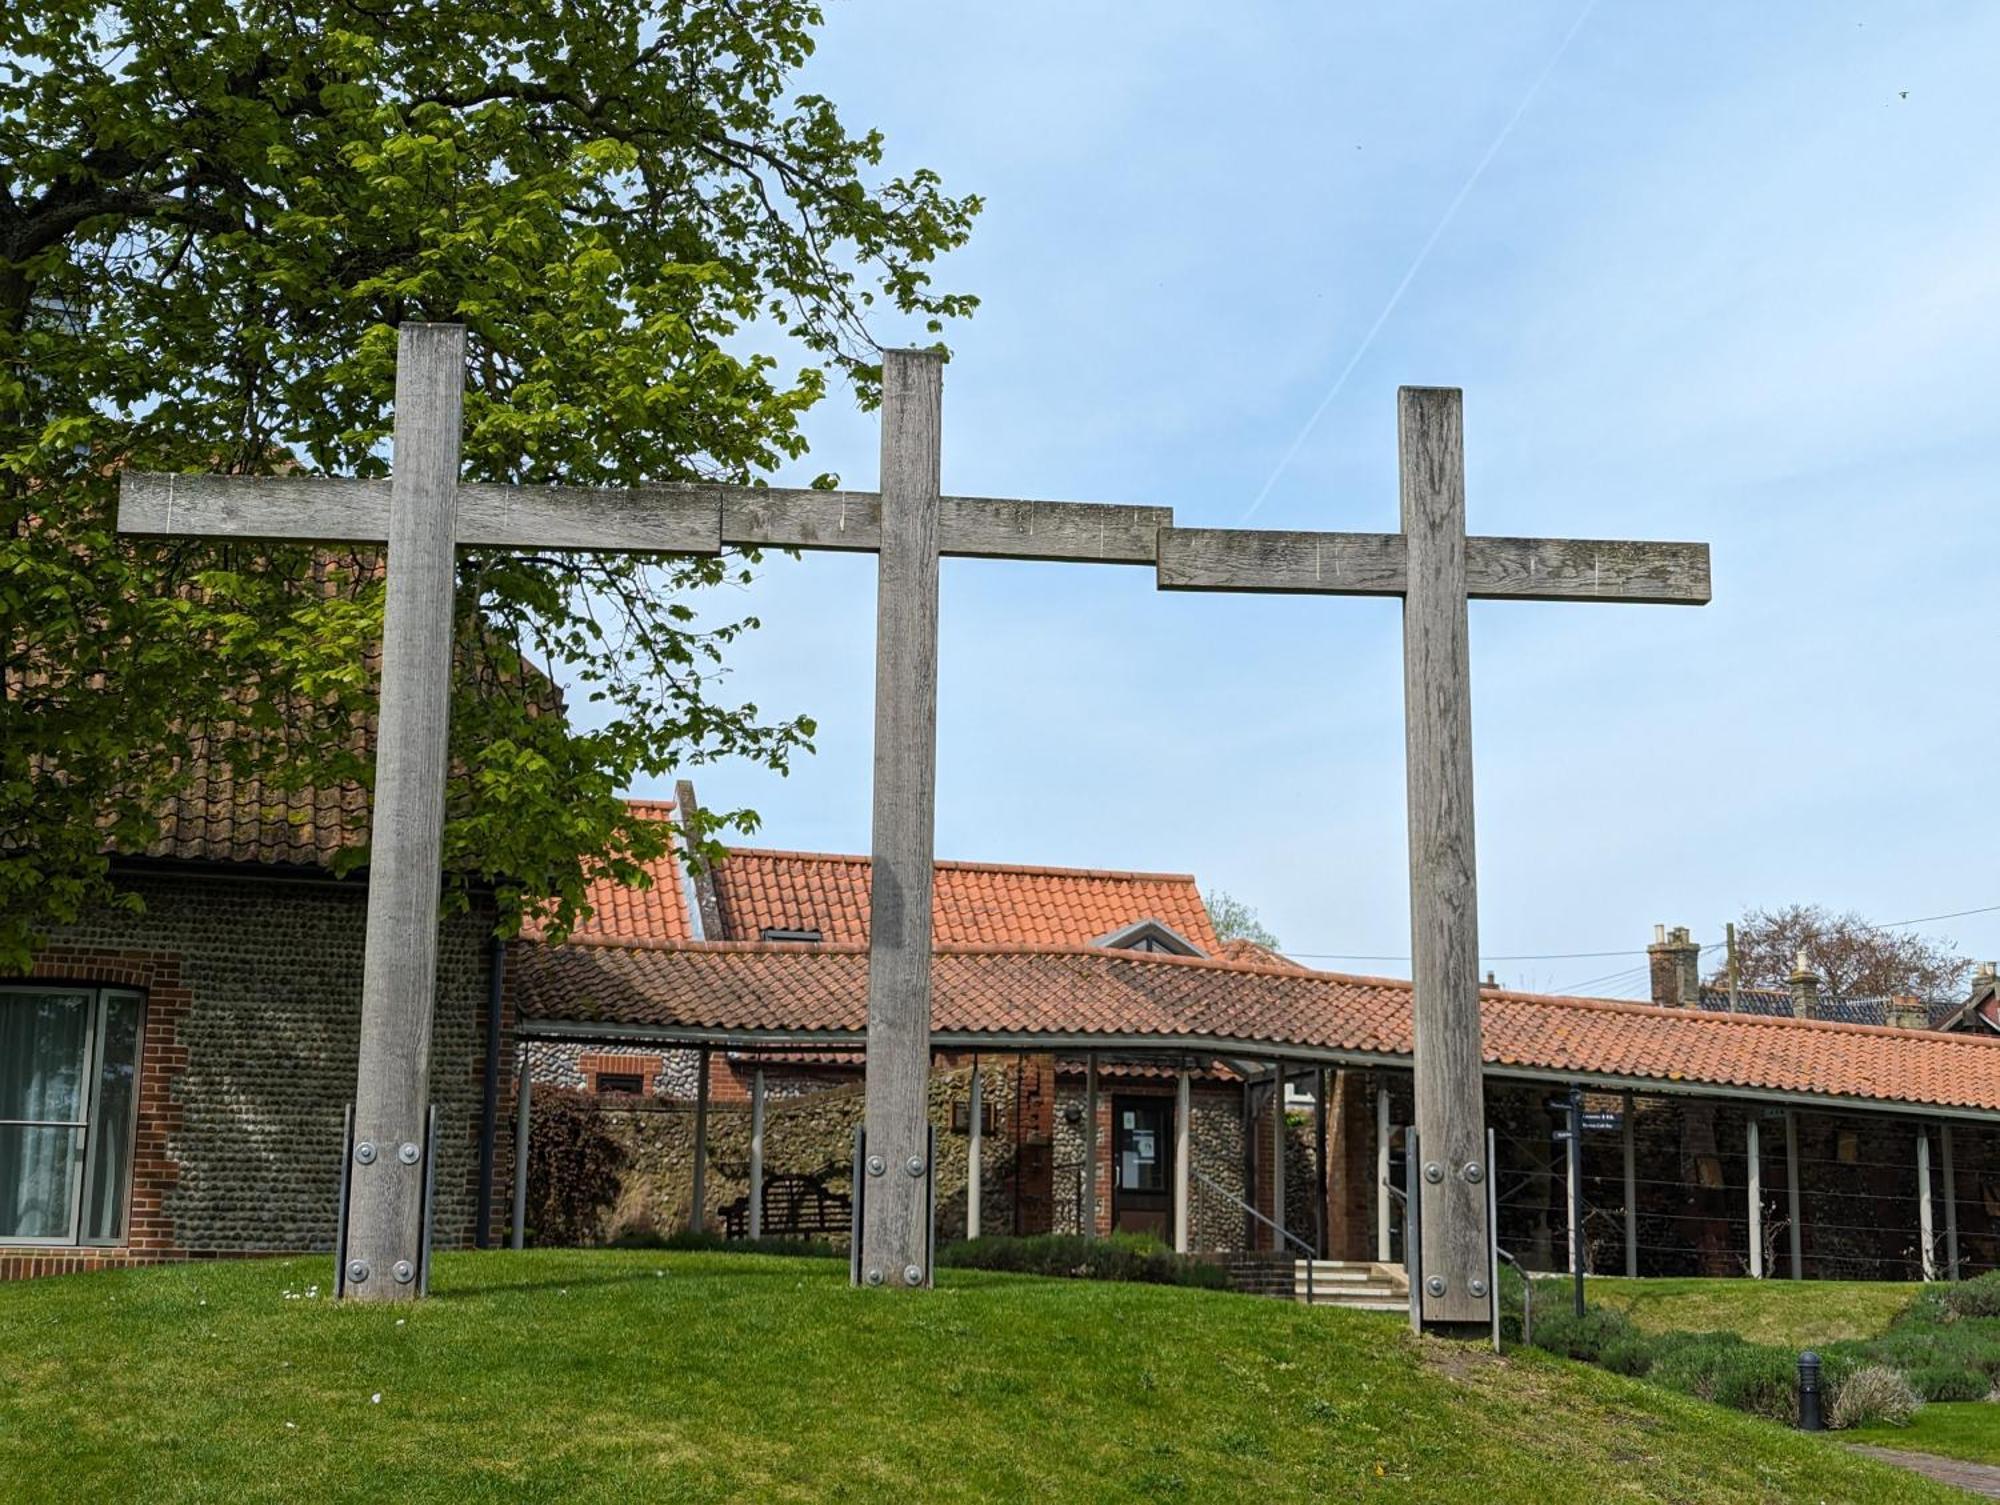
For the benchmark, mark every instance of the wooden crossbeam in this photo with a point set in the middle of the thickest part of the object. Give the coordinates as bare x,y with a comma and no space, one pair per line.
671,518
1376,564
332,510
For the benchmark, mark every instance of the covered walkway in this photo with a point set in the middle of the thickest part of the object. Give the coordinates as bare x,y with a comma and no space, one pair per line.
1713,1144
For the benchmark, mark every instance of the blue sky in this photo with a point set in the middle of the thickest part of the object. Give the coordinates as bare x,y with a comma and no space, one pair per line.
1729,273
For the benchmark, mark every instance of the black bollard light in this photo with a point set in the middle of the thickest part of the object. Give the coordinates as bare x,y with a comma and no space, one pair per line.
1809,1417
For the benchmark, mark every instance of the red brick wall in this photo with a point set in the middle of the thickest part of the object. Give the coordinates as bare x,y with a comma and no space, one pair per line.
645,1067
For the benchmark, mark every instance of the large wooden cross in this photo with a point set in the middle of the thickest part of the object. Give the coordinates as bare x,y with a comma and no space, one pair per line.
423,513
1435,568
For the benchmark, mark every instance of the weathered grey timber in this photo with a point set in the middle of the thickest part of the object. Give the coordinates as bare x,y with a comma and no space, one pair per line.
895,1242
1444,903
1436,569
664,518
399,967
524,1108
332,510
1376,564
968,527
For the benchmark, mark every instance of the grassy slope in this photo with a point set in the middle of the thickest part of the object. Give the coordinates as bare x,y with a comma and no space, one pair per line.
1952,1429
707,1377
1791,1313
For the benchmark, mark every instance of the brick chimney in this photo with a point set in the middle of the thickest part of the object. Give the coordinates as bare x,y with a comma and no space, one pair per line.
1906,1013
1804,983
1676,966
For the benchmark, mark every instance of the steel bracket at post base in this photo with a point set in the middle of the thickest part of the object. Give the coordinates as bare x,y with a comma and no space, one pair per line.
1485,1285
867,1168
410,1272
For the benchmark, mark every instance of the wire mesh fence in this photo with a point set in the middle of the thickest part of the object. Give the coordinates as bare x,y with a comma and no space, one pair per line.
1664,1183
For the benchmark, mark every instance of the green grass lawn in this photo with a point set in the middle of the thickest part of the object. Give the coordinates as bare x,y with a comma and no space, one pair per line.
1790,1313
1951,1429
703,1377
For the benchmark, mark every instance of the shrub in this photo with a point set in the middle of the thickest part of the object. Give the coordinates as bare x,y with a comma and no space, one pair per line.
1949,1382
1875,1394
1633,1356
1122,1256
1560,1330
1721,1367
1974,1298
573,1166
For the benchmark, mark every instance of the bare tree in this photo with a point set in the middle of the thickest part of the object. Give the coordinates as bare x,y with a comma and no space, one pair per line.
1852,958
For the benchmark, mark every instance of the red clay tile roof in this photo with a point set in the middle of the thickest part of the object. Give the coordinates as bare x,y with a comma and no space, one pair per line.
1078,995
219,817
626,912
975,904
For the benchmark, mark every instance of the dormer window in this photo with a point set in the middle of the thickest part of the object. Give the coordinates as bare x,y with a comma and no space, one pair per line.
1148,935
774,933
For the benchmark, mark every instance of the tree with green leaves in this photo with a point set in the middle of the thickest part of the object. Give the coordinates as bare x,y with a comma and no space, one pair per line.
1236,921
213,216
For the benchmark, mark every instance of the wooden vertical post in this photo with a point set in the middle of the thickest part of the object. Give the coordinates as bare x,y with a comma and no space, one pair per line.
1183,1154
1796,1233
1631,1194
974,1172
1322,1212
1089,1228
1926,1234
1383,1247
698,1207
385,1211
757,1153
1950,1204
1278,1157
895,1240
1753,1153
524,1096
1444,903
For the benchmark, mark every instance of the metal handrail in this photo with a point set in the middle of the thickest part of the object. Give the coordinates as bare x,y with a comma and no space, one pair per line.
1527,1296
1312,1254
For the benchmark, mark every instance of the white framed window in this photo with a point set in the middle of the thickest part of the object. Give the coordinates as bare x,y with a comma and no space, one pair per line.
69,1097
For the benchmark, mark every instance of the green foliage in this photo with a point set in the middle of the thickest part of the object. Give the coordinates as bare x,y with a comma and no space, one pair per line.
1979,1297
1122,1256
214,214
1949,1382
1874,1396
1236,921
573,1166
1559,1330
1940,1347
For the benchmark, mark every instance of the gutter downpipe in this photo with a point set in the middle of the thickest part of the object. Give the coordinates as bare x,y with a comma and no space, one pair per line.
489,1101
